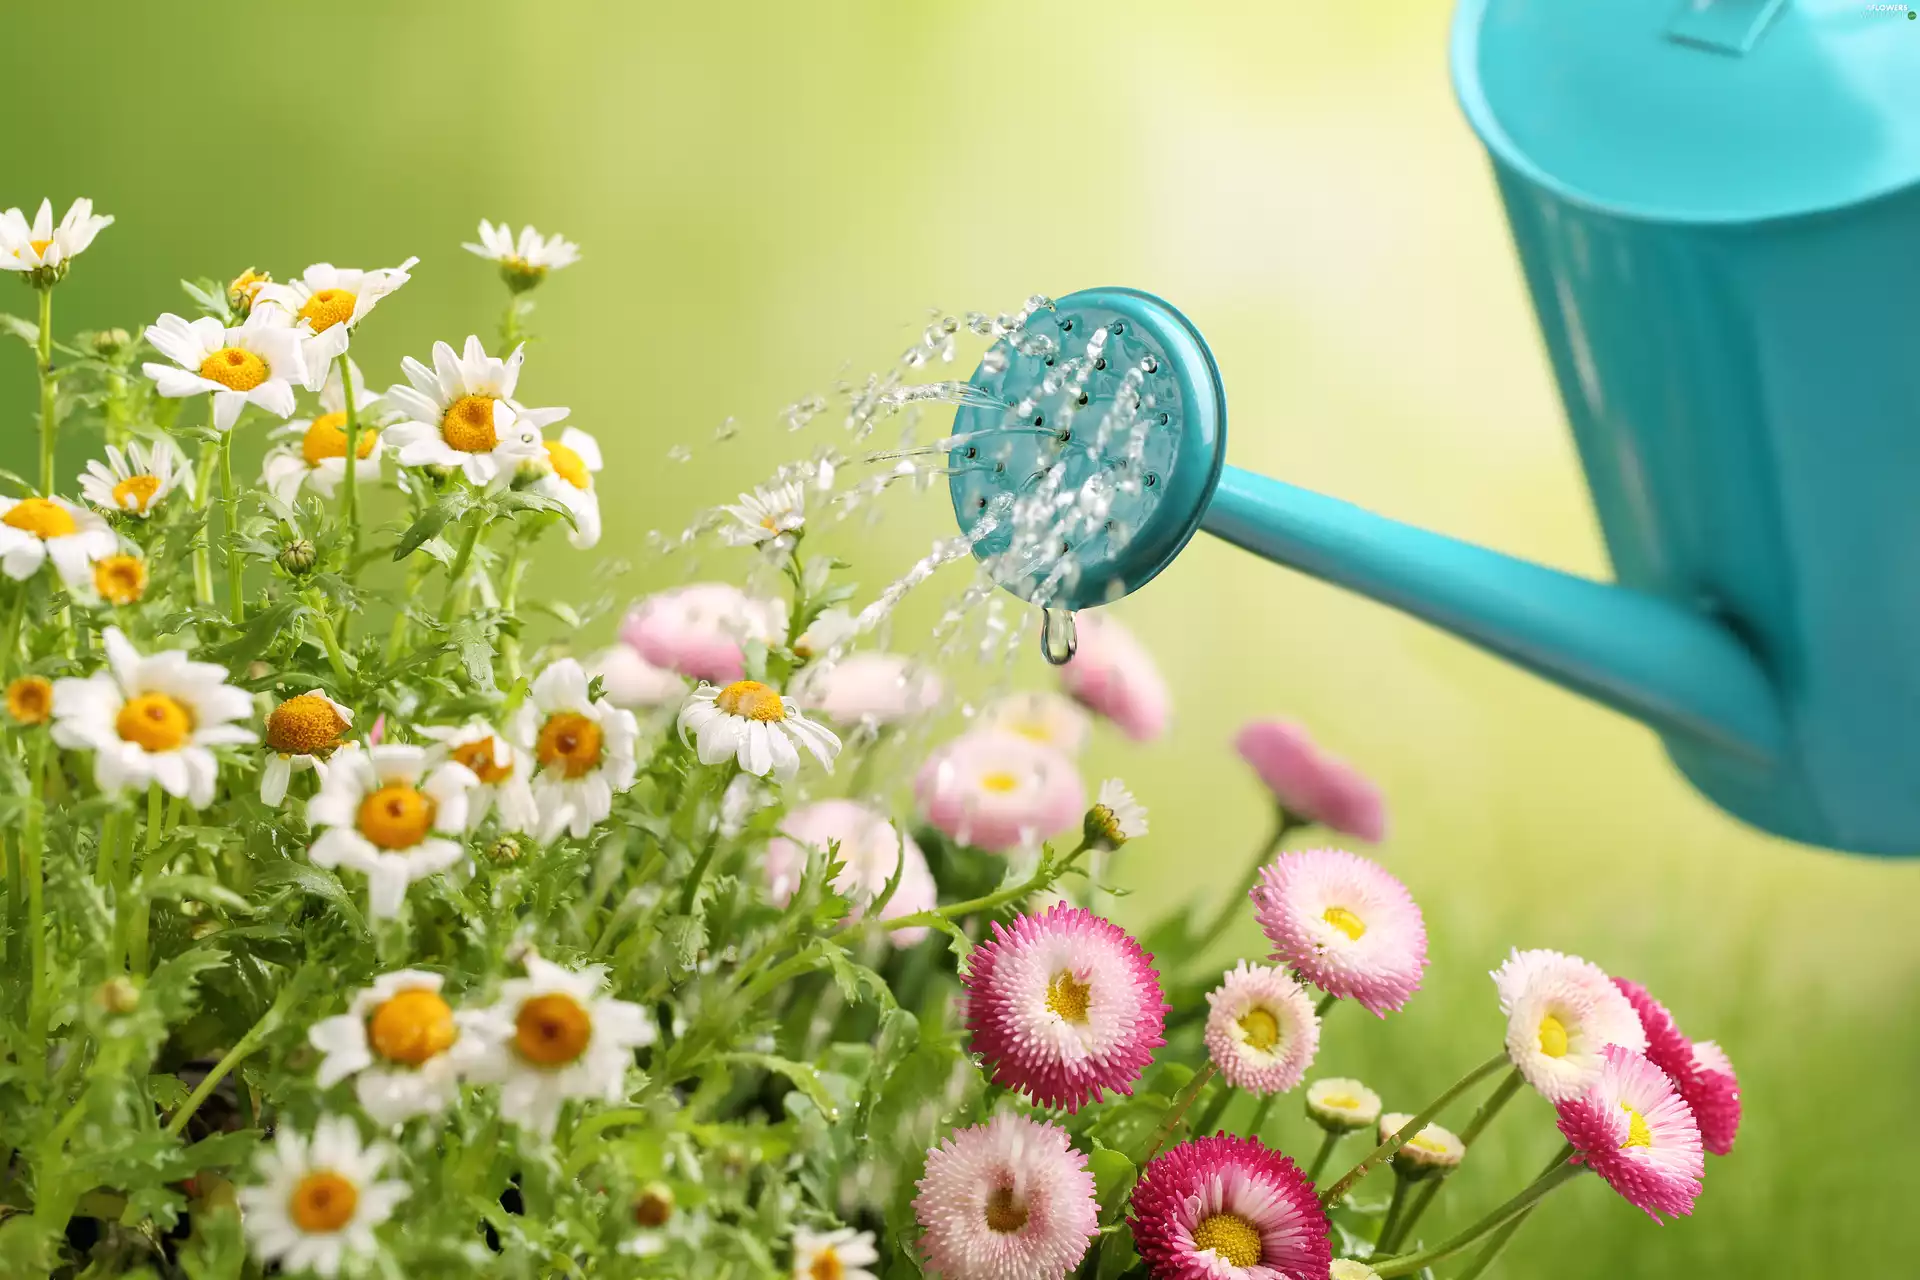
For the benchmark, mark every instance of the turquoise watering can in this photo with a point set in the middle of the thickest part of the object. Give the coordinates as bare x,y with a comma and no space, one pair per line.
1717,209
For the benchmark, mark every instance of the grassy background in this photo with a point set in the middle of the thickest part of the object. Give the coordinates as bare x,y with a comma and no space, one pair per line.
769,197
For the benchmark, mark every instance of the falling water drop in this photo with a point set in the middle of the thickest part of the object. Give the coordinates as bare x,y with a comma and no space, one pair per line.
1058,639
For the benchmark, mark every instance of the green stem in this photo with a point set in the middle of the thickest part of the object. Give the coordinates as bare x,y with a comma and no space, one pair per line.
1395,1207
509,605
1230,909
43,364
33,848
1409,1264
458,571
1501,1095
1260,1114
330,641
203,547
349,487
1216,1107
1181,1101
1497,1242
1324,1154
234,1056
510,326
1396,1140
10,646
230,505
1325,1006
1043,876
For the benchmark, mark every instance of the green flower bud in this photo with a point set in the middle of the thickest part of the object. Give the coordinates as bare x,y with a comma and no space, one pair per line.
298,557
504,850
109,343
118,995
1341,1106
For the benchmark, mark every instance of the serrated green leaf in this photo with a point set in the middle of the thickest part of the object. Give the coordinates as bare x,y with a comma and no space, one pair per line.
475,648
203,888
804,1078
315,882
430,522
262,630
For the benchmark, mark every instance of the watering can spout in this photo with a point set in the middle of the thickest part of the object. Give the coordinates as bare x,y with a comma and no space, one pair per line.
1672,667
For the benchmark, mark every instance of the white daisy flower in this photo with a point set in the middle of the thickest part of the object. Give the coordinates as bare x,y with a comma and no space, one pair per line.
750,722
151,718
383,820
835,1255
829,630
258,363
1116,817
326,302
461,413
320,1200
584,750
400,1043
36,530
313,451
526,261
1429,1151
552,1036
567,478
40,246
1562,1012
135,479
505,773
1051,719
766,514
1342,1105
301,733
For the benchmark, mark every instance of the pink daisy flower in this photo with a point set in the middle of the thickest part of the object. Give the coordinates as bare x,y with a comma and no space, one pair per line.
698,630
1713,1091
1112,674
1227,1208
1262,1031
870,850
1634,1130
871,688
1345,924
1561,1013
999,791
1064,1005
1006,1200
1310,784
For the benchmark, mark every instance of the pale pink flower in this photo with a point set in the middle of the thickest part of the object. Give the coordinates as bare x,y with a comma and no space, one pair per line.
871,688
630,681
698,630
1344,924
1562,1013
869,848
1006,1200
1310,784
1112,673
1262,1031
999,791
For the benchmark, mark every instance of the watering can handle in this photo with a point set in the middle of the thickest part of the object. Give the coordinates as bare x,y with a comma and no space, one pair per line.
1655,660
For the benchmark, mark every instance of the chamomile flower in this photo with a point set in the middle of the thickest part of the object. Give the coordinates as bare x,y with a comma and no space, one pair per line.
1228,1208
526,261
1345,924
583,749
1562,1012
118,580
151,718
1430,1151
766,515
1116,817
399,1043
1340,1105
1050,719
36,530
750,722
319,1200
1262,1031
461,413
135,480
555,1035
326,302
42,249
567,478
1006,1200
30,700
1632,1127
385,815
313,451
831,629
258,363
505,774
835,1255
301,733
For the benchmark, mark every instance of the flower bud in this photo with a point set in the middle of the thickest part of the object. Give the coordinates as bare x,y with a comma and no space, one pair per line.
298,557
243,288
504,850
1341,1106
653,1207
109,343
520,275
1352,1269
1431,1151
1115,818
118,995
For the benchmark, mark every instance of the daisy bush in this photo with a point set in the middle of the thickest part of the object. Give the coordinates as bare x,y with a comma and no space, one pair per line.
357,923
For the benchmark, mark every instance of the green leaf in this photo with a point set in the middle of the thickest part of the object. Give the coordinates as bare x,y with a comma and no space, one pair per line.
211,296
21,327
475,647
262,630
171,988
203,888
1117,1254
804,1078
430,523
314,882
1113,1177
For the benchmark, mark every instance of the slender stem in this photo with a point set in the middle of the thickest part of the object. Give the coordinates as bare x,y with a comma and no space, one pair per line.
330,641
1409,1264
459,569
1230,909
1395,1141
1181,1101
10,646
349,488
245,1045
49,407
203,547
509,604
1322,1009
510,326
1260,1114
33,848
1324,1154
1216,1107
230,505
1489,1108
16,890
1395,1207
1043,876
1497,1242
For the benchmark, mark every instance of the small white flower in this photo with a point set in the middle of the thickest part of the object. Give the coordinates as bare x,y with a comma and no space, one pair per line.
567,478
1051,719
400,1042
531,256
750,722
836,1255
258,363
151,718
36,530
325,302
313,451
632,682
829,630
767,514
383,820
37,245
552,1036
505,773
584,750
301,733
1342,1105
461,413
318,1201
1430,1149
134,480
1116,817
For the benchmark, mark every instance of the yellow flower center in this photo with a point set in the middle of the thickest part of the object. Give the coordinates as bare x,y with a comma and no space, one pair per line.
30,700
1422,1142
1037,730
234,368
154,722
303,725
568,465
1005,1214
40,247
1069,997
1340,1102
1262,1028
468,425
396,816
41,517
327,438
570,742
327,308
552,1030
999,780
412,1027
322,1201
1345,921
120,579
135,492
1231,1237
242,288
1553,1037
752,700
478,755
826,1265
1638,1134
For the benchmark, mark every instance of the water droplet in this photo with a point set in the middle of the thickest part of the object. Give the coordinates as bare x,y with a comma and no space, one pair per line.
1058,637
680,453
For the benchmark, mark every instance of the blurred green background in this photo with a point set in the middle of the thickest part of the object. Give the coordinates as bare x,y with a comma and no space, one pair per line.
769,198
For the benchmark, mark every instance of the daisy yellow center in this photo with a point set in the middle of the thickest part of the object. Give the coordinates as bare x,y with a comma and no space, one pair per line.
234,368
1005,1213
40,517
303,725
30,700
1340,1102
570,742
1231,1237
327,308
135,492
1638,1134
396,816
154,722
468,425
568,465
827,1265
40,247
1262,1028
1069,997
1037,730
751,700
1553,1037
412,1028
999,781
323,1201
120,579
1345,921
552,1030
478,757
1421,1142
327,438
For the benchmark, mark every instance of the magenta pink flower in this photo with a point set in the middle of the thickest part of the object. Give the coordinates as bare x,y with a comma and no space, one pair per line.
869,848
1712,1089
1064,1006
1345,924
1112,673
1635,1130
698,630
1311,784
1227,1208
1006,1200
999,791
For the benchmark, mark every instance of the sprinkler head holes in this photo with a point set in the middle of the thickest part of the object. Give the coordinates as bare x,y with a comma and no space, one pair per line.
1103,444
